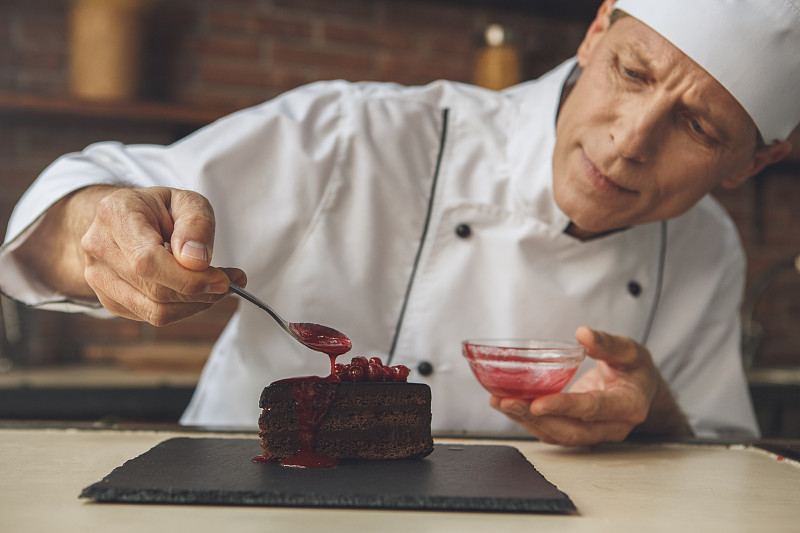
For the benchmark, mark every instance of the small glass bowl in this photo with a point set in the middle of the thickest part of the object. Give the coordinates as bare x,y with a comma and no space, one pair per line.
523,368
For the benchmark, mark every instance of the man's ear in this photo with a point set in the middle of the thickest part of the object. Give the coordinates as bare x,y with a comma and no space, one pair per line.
597,28
761,158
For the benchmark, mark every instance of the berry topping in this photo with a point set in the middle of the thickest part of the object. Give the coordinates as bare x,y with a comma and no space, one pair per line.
356,373
359,360
401,372
340,370
375,372
362,369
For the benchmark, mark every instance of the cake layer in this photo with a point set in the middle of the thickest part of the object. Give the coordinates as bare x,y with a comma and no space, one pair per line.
364,420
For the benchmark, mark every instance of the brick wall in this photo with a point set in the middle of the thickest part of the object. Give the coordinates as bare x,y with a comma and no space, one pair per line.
766,214
233,53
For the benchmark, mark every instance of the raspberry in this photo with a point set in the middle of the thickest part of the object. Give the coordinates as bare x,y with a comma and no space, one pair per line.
356,373
375,372
401,372
340,370
361,361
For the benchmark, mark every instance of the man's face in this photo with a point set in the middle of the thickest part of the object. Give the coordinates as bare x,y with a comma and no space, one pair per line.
645,133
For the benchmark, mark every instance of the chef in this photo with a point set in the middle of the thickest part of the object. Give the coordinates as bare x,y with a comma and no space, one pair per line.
412,218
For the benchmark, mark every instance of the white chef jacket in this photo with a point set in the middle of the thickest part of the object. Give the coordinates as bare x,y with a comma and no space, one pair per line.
341,202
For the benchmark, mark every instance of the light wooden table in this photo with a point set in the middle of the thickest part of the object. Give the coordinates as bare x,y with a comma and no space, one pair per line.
668,487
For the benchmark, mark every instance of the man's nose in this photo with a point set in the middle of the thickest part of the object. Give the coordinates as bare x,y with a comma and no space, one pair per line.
637,130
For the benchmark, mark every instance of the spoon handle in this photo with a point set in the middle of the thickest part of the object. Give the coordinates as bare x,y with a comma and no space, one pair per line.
234,288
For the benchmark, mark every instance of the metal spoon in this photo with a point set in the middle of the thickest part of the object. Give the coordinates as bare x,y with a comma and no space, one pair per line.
315,336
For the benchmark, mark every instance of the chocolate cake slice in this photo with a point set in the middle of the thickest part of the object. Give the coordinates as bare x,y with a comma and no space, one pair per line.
345,419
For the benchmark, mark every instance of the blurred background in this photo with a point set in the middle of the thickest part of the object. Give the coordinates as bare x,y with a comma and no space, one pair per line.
73,72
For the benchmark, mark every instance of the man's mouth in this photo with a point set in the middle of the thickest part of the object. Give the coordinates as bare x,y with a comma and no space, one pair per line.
601,181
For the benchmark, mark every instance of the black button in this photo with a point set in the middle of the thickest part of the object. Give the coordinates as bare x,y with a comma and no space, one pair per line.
425,368
634,288
463,231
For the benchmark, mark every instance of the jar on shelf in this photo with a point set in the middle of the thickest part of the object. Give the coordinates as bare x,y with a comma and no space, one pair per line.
497,61
105,48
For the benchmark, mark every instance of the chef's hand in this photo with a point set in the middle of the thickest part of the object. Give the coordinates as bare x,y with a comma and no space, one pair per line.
107,243
134,275
625,392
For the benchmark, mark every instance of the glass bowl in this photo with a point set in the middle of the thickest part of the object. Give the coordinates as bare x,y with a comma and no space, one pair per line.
522,368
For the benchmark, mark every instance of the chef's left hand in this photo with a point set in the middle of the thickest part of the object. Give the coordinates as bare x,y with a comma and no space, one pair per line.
624,391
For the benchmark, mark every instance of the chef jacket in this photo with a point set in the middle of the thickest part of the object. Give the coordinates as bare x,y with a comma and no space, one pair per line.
412,218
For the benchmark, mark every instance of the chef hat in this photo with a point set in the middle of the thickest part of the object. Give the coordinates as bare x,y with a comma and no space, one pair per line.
752,47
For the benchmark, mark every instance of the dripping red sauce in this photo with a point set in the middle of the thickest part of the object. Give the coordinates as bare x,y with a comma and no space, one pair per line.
313,396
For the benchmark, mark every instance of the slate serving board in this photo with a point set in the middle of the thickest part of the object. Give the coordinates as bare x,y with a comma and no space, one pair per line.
218,471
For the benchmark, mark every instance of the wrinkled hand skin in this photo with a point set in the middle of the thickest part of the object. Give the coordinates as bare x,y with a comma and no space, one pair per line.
132,273
607,403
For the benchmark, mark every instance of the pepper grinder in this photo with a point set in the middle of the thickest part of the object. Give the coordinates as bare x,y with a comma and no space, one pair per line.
497,62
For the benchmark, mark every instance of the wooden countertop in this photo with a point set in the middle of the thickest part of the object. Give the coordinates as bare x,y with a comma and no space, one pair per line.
628,487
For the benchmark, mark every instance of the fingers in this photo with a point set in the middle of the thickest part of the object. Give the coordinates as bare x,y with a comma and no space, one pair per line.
161,276
613,349
134,275
518,411
625,404
561,430
192,237
604,404
132,304
236,275
130,228
570,432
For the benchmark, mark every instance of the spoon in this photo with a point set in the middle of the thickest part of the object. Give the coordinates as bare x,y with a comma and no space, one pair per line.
315,336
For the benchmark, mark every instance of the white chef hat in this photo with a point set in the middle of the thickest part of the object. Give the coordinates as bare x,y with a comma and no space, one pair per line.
752,47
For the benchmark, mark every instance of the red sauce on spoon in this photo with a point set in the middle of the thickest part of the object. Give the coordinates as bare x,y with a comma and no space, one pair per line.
321,338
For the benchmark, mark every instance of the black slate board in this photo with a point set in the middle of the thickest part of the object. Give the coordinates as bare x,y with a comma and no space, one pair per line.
217,471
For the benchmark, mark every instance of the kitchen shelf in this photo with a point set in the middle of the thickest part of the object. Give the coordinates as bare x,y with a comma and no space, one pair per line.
157,113
574,9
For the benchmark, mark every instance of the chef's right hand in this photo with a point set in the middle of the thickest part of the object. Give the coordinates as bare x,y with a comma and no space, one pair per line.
131,271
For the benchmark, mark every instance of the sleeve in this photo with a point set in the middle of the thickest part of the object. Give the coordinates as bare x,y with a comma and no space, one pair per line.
277,157
698,344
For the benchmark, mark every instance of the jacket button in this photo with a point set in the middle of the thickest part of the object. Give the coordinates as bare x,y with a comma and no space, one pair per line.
463,231
425,368
634,288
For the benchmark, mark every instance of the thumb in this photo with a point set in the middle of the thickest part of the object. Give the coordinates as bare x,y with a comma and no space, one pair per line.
192,238
614,350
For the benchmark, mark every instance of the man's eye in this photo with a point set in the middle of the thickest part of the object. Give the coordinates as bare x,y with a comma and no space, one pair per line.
697,128
631,73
